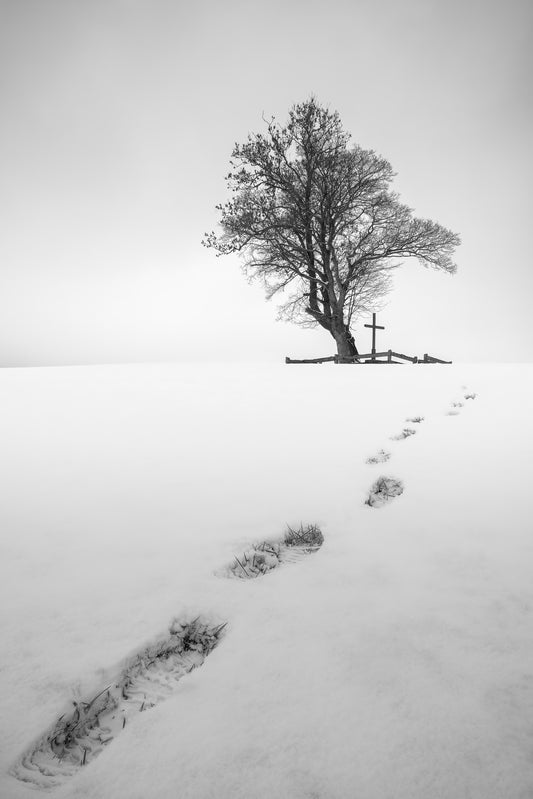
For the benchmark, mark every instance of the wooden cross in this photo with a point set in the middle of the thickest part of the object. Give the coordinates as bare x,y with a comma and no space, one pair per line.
374,328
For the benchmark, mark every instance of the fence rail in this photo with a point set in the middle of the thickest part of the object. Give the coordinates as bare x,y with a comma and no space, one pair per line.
370,357
431,359
313,360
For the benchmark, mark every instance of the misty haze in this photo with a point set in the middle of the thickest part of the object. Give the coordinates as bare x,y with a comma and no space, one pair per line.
265,349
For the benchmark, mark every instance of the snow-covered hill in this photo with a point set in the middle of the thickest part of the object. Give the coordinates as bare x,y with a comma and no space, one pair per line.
395,660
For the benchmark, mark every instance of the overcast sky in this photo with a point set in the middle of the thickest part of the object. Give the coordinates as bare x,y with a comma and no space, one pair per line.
118,119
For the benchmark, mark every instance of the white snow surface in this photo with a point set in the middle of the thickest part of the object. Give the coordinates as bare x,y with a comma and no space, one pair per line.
397,661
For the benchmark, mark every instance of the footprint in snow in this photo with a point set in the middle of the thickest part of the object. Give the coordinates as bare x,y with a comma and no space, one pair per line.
454,409
415,419
380,457
406,432
470,396
383,491
79,735
268,555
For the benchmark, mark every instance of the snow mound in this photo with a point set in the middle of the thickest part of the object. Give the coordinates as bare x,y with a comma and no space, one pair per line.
268,555
383,491
149,677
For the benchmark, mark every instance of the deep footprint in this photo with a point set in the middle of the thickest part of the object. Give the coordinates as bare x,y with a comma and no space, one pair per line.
470,396
383,491
406,432
415,419
268,555
380,457
151,676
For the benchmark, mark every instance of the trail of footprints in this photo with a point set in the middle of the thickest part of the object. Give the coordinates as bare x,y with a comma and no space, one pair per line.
80,735
455,407
385,489
150,676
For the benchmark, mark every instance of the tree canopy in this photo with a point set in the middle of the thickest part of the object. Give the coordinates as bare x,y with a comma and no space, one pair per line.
314,217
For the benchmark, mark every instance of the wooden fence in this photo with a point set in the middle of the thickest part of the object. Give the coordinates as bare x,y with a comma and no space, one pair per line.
371,357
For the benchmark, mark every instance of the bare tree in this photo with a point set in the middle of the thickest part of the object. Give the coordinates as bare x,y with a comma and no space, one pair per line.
316,220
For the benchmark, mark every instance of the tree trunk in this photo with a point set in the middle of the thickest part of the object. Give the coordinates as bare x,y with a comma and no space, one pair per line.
345,343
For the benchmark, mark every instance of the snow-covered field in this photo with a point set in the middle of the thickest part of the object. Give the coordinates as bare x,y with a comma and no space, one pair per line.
395,661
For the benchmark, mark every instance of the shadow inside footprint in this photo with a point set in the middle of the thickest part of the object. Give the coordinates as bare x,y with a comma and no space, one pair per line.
470,396
380,457
268,555
406,432
415,419
79,735
383,491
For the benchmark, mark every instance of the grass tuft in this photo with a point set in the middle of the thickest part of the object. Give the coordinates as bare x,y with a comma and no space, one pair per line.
310,537
268,555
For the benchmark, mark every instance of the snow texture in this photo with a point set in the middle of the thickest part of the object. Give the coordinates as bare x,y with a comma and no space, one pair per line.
397,661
